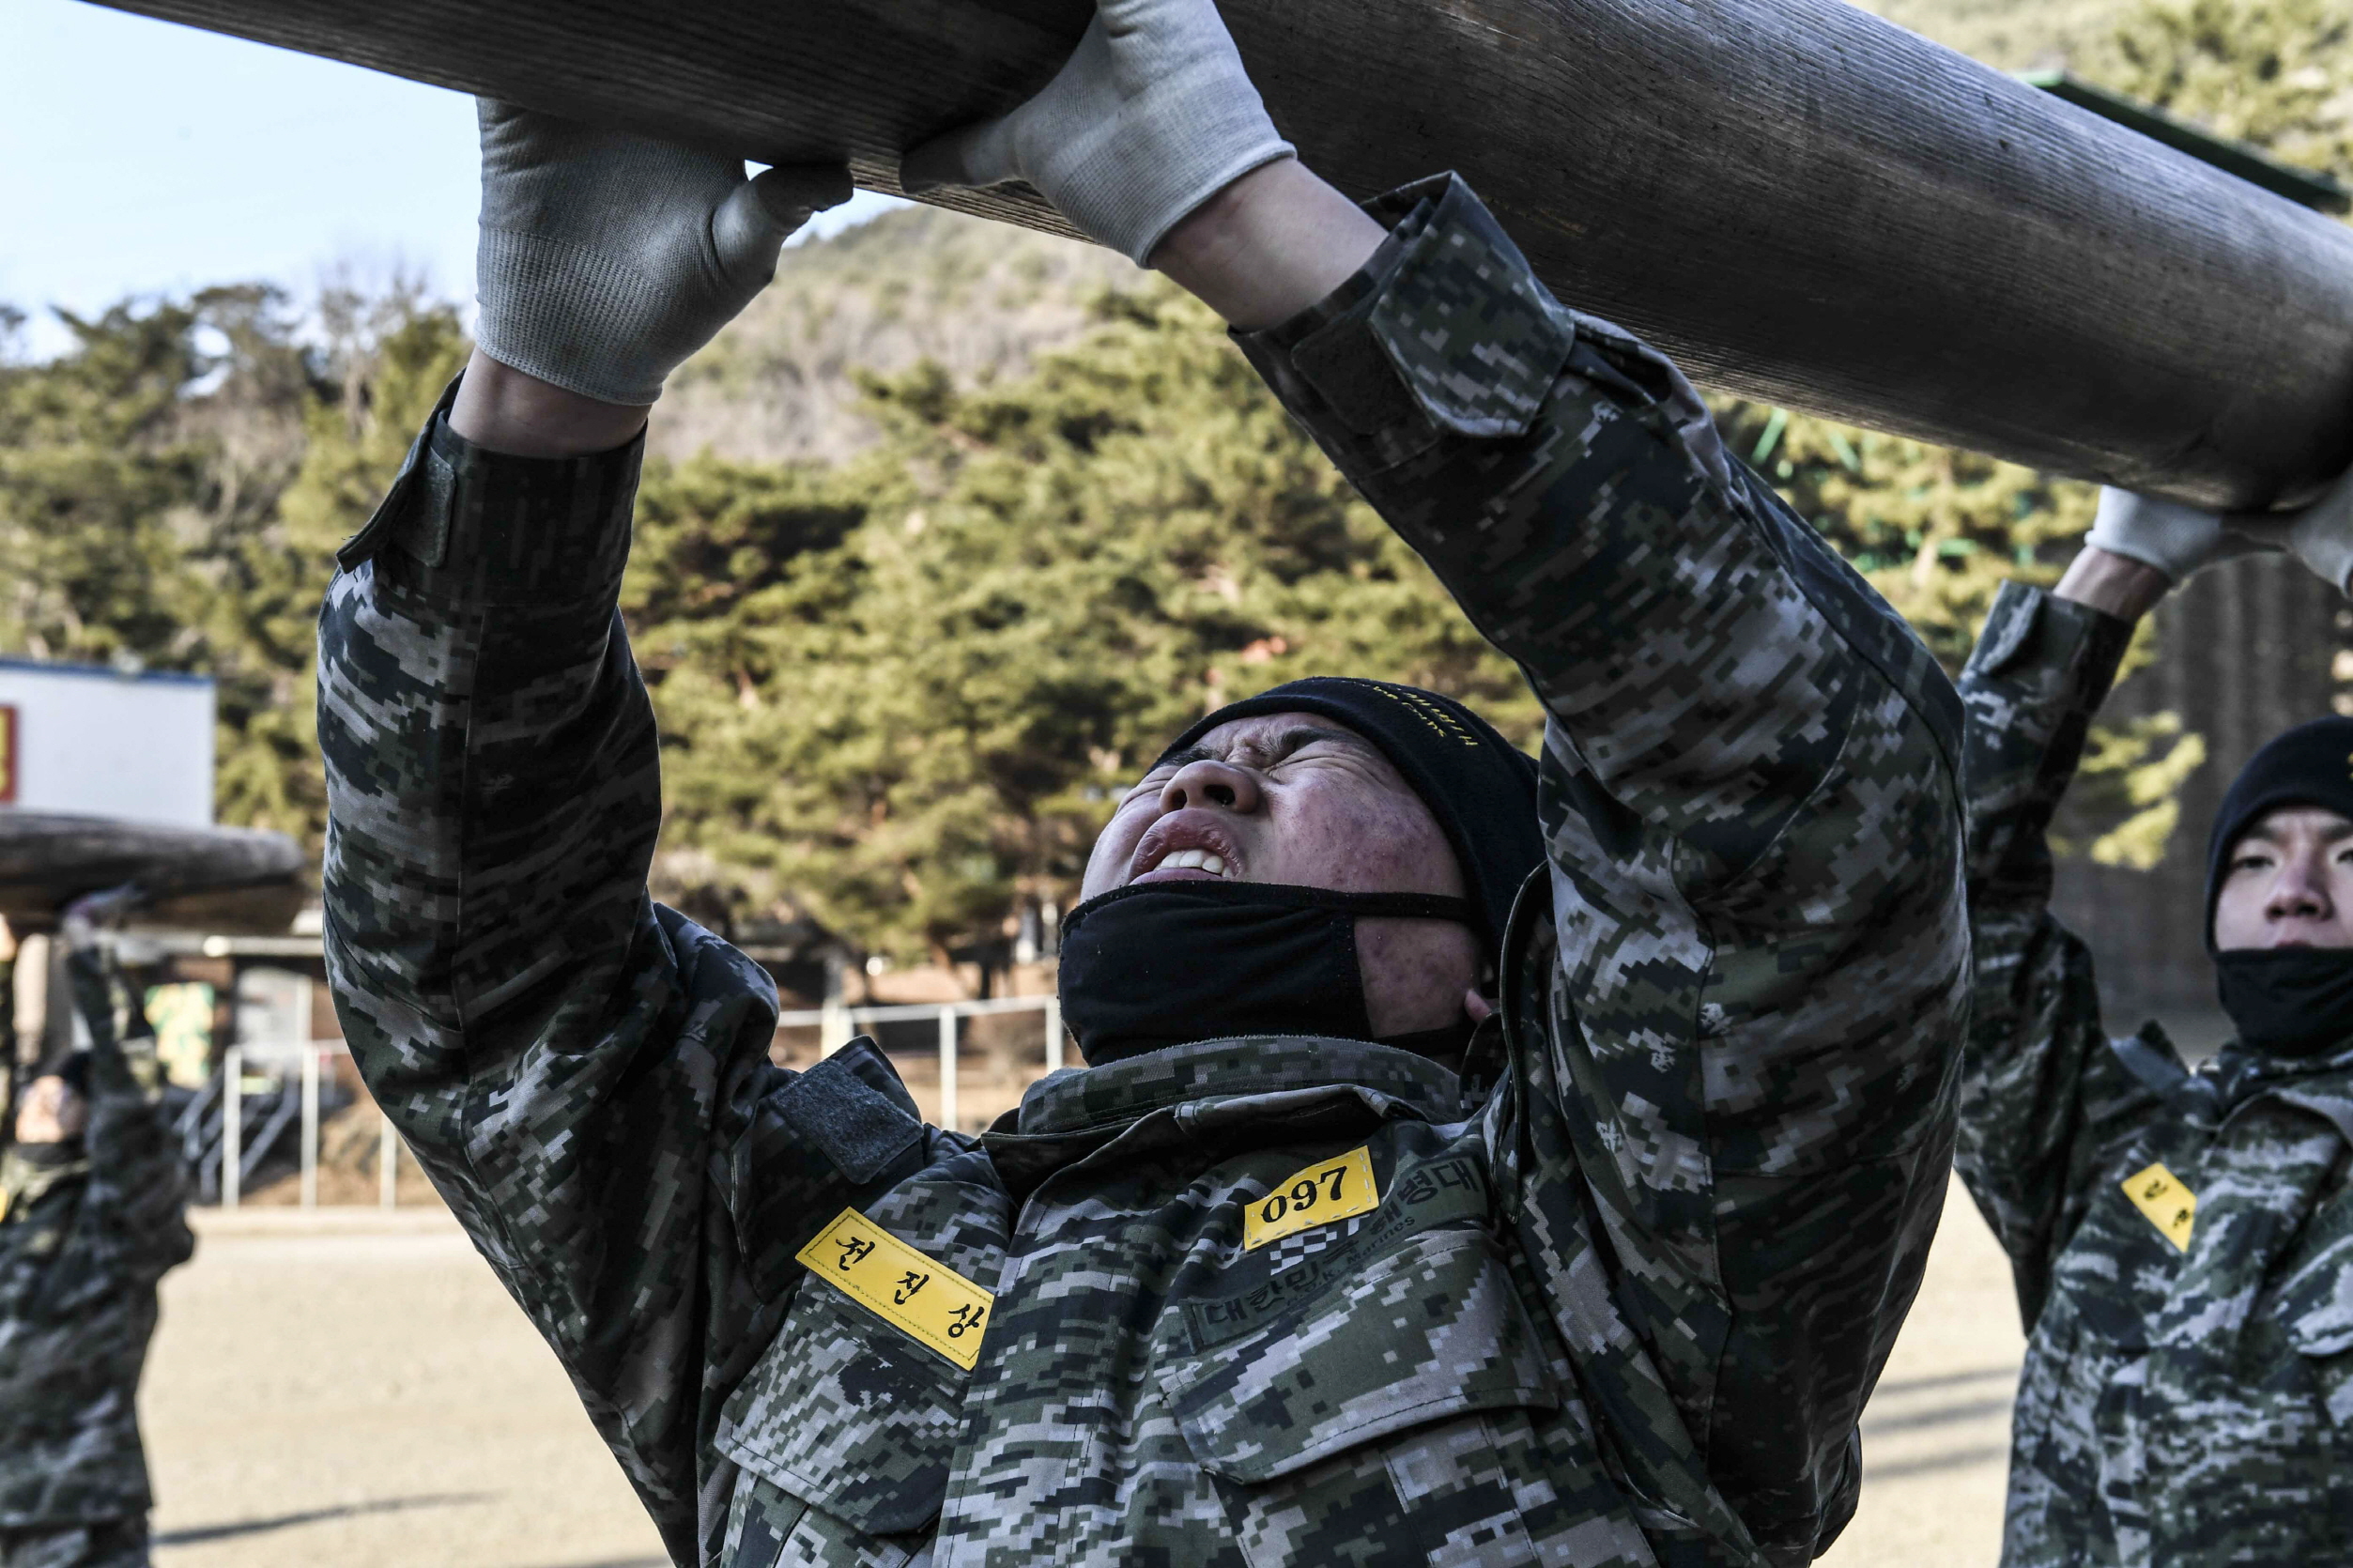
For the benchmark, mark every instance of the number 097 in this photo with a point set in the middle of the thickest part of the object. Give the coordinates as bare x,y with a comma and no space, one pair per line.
1303,1193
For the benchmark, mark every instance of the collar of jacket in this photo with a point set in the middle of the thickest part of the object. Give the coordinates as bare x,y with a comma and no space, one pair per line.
1212,1087
1081,1100
23,1183
2236,1077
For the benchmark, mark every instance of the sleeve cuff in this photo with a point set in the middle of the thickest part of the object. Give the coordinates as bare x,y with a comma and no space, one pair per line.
1445,321
2058,653
480,527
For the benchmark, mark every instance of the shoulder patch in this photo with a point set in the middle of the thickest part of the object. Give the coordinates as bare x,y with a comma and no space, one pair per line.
921,1297
832,1107
1331,1189
2169,1205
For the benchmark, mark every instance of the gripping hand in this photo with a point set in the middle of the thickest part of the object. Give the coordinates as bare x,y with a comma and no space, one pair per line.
1150,117
2320,535
605,258
2174,538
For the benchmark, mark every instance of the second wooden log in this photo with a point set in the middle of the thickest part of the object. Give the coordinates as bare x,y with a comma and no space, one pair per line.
1802,202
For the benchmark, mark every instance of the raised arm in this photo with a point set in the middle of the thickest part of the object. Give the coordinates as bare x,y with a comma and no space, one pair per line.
1744,1055
1744,1052
577,1069
2048,1103
137,1209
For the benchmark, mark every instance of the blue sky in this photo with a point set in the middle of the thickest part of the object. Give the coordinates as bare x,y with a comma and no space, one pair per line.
140,157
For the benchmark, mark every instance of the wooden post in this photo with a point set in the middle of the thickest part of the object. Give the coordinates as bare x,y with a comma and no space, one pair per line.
310,1124
232,1125
947,1067
1801,202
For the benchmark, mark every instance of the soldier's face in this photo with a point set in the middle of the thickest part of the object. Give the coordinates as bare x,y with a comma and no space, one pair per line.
1304,801
49,1112
2289,883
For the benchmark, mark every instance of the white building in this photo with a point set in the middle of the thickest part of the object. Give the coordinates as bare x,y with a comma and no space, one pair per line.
95,741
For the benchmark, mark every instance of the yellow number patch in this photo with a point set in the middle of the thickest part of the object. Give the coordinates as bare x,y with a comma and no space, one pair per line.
2172,1208
1335,1188
922,1298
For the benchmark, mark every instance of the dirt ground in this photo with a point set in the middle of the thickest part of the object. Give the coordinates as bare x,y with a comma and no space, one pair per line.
1936,1437
352,1387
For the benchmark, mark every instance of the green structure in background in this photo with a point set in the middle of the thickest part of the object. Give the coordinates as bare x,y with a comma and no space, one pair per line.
2321,192
181,1013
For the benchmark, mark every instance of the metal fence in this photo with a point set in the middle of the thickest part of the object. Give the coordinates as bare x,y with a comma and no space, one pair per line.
228,1128
243,1133
835,1025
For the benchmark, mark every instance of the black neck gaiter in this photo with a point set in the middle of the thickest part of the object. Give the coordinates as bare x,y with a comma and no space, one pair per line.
2288,1002
1172,962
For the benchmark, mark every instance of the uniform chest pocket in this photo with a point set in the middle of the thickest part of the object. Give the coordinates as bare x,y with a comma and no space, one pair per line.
1432,1331
849,1414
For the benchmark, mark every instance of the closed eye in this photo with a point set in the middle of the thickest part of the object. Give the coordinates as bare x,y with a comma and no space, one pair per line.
1305,744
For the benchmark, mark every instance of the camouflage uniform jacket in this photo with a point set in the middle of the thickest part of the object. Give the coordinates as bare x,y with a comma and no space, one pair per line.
2182,1242
1618,1304
78,1269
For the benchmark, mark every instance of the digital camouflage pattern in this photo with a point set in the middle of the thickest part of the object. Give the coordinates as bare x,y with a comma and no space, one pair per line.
2178,1408
1631,1274
115,1544
79,1262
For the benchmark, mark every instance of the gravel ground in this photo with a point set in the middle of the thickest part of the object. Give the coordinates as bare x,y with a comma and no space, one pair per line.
353,1389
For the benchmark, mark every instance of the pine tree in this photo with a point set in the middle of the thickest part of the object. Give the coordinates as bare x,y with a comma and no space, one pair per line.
901,694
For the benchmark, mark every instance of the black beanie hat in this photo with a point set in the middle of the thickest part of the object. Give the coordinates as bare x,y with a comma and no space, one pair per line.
73,1066
2309,766
1481,787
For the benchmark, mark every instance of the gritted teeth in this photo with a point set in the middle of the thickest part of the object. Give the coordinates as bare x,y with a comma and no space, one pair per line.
1199,860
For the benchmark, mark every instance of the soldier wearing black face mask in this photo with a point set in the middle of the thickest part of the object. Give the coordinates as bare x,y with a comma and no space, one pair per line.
92,1215
1479,1160
1147,964
2182,1242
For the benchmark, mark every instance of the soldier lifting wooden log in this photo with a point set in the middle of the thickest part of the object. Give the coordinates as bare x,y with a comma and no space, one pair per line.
1478,1159
93,1189
92,1215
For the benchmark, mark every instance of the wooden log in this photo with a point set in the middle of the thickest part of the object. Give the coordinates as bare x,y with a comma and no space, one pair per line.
1802,202
217,875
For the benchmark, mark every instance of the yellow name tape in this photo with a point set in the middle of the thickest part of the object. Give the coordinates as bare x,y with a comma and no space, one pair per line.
1330,1189
2172,1208
921,1297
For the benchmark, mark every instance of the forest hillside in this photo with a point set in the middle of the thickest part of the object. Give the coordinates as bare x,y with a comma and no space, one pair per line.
944,536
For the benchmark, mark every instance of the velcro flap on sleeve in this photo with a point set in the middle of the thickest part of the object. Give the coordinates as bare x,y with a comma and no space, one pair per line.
1476,339
861,1126
834,1136
471,525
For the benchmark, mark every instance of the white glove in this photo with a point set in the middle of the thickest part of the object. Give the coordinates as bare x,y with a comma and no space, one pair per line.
2174,538
2320,535
1149,117
607,258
